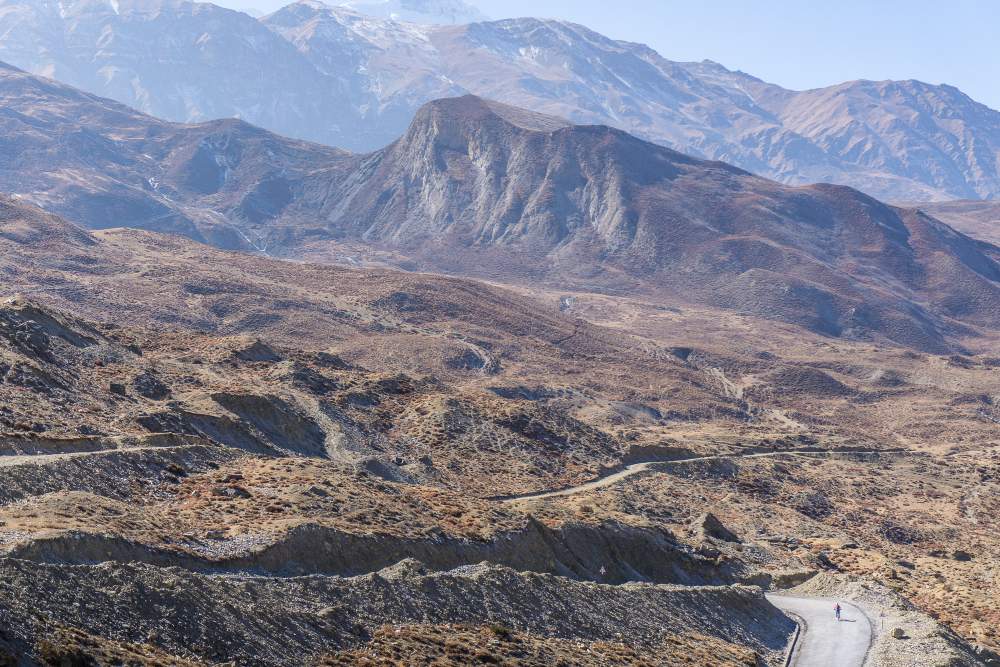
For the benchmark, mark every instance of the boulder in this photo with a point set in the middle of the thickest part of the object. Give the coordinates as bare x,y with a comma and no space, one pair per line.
258,351
147,385
708,525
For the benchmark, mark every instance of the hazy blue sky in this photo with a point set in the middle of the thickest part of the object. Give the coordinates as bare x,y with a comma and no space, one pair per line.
797,43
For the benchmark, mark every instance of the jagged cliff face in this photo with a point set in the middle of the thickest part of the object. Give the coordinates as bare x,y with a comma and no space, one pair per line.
474,184
480,188
484,175
340,77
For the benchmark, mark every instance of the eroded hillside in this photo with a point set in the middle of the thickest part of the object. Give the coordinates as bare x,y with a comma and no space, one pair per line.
486,190
340,454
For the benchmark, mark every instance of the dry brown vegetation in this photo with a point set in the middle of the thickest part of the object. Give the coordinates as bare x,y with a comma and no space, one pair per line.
497,645
378,403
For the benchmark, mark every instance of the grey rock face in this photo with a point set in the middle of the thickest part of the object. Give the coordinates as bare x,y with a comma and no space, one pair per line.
336,76
479,188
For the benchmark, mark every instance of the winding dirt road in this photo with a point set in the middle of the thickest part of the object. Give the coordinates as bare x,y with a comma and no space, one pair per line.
628,471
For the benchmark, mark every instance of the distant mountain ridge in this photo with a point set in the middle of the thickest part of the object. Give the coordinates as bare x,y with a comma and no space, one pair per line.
418,11
335,76
100,164
483,189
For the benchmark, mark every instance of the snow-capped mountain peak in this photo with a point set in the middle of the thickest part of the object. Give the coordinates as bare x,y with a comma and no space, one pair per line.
418,11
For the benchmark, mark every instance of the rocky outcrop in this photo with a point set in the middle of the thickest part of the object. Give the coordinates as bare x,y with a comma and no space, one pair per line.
474,188
709,526
148,385
257,351
280,423
34,331
225,429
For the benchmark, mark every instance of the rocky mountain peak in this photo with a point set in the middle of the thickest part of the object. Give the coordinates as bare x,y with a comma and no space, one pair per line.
475,111
300,11
419,11
477,187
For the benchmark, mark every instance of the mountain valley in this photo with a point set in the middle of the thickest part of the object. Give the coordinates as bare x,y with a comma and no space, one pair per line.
505,379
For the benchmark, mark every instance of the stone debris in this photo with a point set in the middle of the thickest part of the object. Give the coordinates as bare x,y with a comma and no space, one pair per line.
296,619
709,526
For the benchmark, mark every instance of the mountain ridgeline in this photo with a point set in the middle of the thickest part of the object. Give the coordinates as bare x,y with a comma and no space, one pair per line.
336,76
483,189
417,11
479,188
101,164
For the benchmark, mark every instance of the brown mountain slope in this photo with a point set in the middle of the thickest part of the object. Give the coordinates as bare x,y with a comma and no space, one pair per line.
332,75
143,425
470,191
647,373
386,412
979,219
483,189
103,165
479,336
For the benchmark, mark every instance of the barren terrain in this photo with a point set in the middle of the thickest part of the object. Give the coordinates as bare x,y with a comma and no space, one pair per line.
328,73
979,219
324,449
652,388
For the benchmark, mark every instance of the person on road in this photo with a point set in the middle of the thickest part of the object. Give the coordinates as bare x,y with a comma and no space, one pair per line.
836,610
